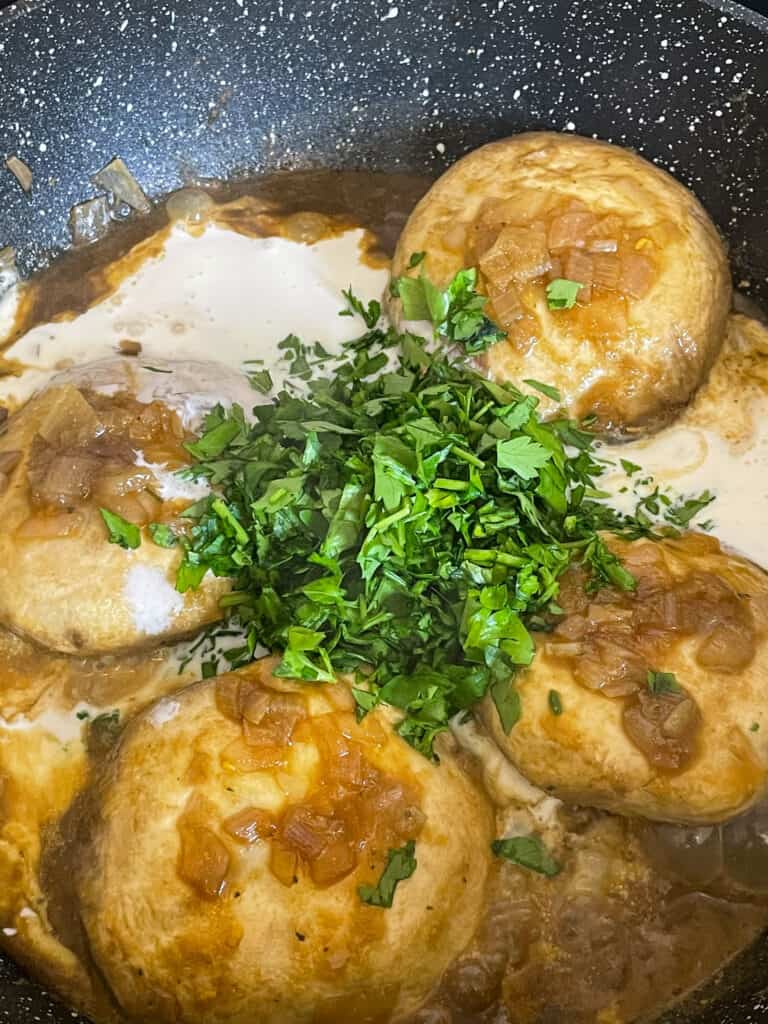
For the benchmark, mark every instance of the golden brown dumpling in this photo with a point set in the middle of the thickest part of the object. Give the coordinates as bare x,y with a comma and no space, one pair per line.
220,869
650,317
689,743
67,453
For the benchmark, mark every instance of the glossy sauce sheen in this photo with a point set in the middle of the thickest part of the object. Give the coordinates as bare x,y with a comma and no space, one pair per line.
615,935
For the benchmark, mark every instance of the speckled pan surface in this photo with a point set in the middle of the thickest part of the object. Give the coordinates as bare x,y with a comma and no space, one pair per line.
223,87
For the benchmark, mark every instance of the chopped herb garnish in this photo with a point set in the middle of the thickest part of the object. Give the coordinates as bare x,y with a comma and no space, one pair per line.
82,715
663,682
555,702
121,532
370,313
545,389
261,381
156,369
630,467
456,312
416,259
755,727
401,864
527,852
562,293
405,519
682,513
162,535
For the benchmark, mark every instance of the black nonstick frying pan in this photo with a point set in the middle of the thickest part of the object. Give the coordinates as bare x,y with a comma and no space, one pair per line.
218,88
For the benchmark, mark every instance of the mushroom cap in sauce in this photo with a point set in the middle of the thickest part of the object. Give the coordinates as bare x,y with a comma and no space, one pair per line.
539,206
67,453
228,838
689,746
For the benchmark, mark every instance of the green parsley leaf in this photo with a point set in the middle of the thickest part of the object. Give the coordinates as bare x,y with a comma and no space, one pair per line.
121,532
370,313
416,259
755,727
521,455
401,864
630,467
555,702
261,381
682,513
456,312
562,293
162,535
507,701
156,369
663,682
527,852
545,389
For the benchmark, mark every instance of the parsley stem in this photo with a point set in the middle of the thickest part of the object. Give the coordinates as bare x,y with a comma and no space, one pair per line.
466,456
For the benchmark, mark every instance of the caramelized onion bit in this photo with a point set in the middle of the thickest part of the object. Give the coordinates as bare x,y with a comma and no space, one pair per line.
117,179
21,172
570,230
637,272
664,727
51,526
249,825
203,861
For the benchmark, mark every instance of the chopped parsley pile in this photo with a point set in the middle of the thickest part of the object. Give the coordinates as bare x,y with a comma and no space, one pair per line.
401,518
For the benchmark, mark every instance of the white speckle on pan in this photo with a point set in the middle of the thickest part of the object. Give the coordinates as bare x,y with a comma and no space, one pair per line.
391,13
153,601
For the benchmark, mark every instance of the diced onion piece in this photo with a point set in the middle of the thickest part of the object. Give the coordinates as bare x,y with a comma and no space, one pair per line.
570,231
70,420
21,172
606,271
239,756
612,668
65,478
507,306
228,696
203,861
577,266
284,863
117,179
307,832
650,718
556,269
637,273
337,860
730,647
519,254
51,526
249,825
89,221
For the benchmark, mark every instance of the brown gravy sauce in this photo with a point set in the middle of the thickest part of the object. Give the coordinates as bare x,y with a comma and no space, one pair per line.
610,940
